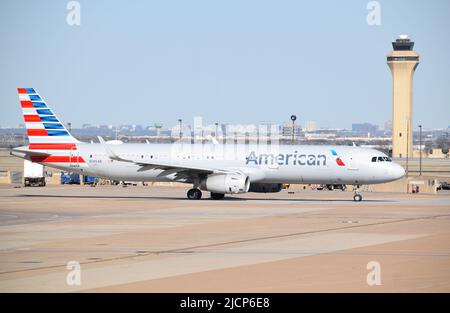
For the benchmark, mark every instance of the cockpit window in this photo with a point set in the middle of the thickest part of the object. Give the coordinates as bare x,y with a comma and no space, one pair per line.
381,159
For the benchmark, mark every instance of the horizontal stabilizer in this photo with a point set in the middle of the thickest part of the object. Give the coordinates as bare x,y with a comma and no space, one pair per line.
24,152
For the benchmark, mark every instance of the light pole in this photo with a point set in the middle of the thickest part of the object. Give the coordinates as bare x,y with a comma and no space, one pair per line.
181,124
217,129
293,118
420,148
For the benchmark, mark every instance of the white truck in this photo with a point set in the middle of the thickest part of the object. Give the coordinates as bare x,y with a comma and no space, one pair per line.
33,174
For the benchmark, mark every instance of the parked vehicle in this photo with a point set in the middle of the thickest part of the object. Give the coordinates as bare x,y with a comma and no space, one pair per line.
265,188
129,183
332,187
90,180
342,187
70,178
443,185
34,174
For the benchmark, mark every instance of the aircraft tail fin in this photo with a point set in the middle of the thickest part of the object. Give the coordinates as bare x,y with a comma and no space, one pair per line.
43,126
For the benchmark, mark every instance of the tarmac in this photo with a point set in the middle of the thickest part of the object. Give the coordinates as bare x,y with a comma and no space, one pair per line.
152,239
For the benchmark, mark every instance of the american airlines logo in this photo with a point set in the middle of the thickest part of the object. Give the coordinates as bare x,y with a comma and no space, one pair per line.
295,158
338,159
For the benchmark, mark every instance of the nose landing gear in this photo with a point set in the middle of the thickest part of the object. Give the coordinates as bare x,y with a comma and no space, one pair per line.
356,194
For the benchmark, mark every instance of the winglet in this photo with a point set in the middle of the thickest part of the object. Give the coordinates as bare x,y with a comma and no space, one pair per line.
213,139
110,153
102,141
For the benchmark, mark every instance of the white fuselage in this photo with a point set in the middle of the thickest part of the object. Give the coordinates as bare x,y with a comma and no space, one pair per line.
261,163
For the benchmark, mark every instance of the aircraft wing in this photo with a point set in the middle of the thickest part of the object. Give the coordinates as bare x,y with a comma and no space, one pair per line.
181,170
172,167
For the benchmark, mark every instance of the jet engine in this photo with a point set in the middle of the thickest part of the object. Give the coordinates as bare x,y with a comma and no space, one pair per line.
265,187
226,183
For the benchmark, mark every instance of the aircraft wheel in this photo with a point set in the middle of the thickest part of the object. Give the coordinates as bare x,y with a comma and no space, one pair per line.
194,194
357,197
217,196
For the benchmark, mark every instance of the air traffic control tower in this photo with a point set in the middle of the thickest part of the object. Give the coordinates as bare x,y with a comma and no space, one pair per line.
403,62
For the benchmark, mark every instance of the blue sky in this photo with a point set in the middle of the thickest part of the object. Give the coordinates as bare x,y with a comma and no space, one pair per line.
230,61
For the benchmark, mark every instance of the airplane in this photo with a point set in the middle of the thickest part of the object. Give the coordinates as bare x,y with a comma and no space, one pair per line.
228,168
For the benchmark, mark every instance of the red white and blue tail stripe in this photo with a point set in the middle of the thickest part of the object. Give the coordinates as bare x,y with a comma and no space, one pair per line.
49,140
41,123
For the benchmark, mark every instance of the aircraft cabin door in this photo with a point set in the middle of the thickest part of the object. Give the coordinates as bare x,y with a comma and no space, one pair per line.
73,158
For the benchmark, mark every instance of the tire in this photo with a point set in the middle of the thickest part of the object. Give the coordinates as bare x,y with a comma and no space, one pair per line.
357,198
217,196
194,194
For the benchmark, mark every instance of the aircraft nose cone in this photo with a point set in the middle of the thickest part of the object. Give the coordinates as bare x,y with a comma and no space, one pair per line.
397,171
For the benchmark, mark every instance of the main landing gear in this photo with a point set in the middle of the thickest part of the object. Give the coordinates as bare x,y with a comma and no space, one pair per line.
194,194
356,195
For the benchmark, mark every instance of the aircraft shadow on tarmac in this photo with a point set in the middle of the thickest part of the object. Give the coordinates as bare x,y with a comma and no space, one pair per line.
226,199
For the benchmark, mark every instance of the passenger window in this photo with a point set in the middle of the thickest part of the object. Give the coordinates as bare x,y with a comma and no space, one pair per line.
380,159
374,159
